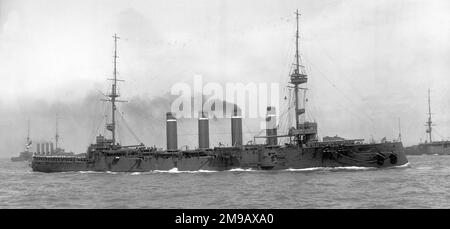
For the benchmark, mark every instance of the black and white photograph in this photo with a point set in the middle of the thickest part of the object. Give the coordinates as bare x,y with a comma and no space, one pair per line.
224,104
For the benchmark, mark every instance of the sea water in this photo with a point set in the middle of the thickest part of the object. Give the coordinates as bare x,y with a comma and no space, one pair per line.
423,183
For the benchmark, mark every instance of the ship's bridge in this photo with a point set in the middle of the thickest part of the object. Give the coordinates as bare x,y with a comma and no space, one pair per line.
305,128
102,143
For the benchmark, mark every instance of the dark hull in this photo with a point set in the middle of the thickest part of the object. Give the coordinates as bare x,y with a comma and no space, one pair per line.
24,156
219,159
18,159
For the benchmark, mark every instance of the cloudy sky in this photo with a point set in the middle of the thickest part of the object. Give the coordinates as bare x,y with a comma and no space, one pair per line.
369,62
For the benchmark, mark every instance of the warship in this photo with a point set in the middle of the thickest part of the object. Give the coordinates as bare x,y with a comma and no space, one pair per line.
303,149
46,148
26,155
429,147
42,148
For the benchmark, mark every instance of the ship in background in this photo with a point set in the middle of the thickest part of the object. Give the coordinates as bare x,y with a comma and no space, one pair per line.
46,148
42,148
301,150
429,147
26,155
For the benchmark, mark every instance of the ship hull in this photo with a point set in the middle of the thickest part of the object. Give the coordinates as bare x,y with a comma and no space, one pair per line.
435,148
24,156
19,159
220,159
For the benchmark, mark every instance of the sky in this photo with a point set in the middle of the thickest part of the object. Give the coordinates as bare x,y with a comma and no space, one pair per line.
370,63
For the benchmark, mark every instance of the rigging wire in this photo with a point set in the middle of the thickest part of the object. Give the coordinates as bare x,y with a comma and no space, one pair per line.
286,123
101,119
129,129
344,95
312,108
118,131
439,134
331,60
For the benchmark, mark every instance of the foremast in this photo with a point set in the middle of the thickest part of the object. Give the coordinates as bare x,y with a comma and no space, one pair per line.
429,122
114,95
27,147
305,131
56,134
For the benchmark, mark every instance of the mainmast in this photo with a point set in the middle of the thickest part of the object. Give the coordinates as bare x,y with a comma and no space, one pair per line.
28,132
298,77
297,71
113,95
429,122
112,126
28,137
306,131
56,133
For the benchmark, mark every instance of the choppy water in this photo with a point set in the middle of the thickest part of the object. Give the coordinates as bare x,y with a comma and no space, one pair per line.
424,183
